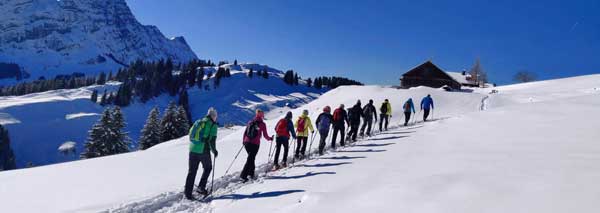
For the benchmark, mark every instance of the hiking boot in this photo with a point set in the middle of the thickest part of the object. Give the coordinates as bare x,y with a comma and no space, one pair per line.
190,197
276,166
202,191
284,164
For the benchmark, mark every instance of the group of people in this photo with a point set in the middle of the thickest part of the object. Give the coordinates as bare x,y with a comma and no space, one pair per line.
203,135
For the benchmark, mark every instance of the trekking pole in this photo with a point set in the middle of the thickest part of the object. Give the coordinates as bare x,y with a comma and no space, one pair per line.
269,157
293,150
312,138
212,181
236,156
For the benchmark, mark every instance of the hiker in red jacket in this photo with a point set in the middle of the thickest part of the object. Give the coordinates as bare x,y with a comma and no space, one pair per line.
340,119
254,129
283,129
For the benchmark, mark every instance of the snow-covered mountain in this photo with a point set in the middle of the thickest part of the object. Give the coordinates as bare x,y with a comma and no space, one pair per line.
523,153
66,115
50,37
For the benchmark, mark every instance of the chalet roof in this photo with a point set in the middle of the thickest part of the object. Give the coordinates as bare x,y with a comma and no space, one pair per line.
458,76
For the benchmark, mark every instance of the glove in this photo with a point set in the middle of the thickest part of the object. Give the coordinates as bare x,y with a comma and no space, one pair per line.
216,153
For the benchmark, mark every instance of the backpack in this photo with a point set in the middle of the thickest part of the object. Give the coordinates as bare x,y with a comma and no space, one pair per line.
367,111
281,127
337,115
301,124
196,134
324,123
407,107
384,108
252,129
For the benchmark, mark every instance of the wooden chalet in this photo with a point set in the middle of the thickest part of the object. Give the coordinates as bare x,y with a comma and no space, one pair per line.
428,74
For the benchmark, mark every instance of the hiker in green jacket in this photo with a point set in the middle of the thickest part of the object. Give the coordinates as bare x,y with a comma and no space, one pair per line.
203,136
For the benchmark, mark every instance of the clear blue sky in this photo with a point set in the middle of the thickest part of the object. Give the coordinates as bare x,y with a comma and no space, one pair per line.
377,41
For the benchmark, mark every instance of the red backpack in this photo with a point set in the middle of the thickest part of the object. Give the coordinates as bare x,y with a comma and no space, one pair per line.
281,128
337,115
301,124
407,107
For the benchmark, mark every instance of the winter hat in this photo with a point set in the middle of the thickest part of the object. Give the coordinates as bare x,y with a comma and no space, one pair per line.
288,115
327,109
358,102
305,112
212,113
386,100
260,113
371,101
342,106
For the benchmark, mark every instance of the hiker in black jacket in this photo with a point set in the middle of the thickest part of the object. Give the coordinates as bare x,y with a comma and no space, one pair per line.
369,112
354,115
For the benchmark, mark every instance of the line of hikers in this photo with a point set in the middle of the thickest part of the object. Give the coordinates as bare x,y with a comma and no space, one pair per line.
203,135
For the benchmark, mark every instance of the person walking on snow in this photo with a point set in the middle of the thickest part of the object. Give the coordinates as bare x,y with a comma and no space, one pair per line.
369,112
254,129
283,129
323,125
354,115
408,107
203,136
303,124
426,105
386,113
340,119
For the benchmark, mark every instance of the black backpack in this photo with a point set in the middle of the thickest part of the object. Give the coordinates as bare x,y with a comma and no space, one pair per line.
252,129
367,112
384,108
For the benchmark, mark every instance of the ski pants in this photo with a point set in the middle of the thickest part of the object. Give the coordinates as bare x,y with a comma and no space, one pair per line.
406,118
281,141
341,130
425,114
322,142
249,167
383,117
194,160
353,130
368,122
301,147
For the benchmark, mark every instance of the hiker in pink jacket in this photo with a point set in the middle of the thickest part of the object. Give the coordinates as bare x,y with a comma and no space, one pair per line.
254,129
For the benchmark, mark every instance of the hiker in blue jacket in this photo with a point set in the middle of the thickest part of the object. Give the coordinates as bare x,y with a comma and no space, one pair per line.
408,108
324,122
426,105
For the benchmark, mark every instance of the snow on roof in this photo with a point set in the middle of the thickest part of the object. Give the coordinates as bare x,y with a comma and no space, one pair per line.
458,76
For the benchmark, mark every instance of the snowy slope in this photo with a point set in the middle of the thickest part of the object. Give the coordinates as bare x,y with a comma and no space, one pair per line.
49,37
66,115
515,157
142,175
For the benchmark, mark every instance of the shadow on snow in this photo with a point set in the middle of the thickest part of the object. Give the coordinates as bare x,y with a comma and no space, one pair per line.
343,157
386,138
375,144
325,164
364,150
308,174
256,195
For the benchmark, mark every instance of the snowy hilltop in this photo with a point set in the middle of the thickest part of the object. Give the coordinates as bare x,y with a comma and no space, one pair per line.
49,37
65,115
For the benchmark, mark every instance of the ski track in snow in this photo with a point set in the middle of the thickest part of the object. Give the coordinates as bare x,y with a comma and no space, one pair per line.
174,201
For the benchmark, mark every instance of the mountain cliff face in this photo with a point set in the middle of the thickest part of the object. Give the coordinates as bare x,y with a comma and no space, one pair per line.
50,37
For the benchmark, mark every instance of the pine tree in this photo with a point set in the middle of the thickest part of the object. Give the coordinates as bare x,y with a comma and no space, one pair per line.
7,156
296,79
250,73
103,99
120,143
265,74
235,63
309,82
185,103
94,97
95,146
150,134
182,122
101,79
200,77
168,123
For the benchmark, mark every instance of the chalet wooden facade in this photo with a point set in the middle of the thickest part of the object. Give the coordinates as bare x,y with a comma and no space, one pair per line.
428,74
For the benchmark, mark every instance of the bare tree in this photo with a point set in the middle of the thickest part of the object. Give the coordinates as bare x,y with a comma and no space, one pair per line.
478,74
524,76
